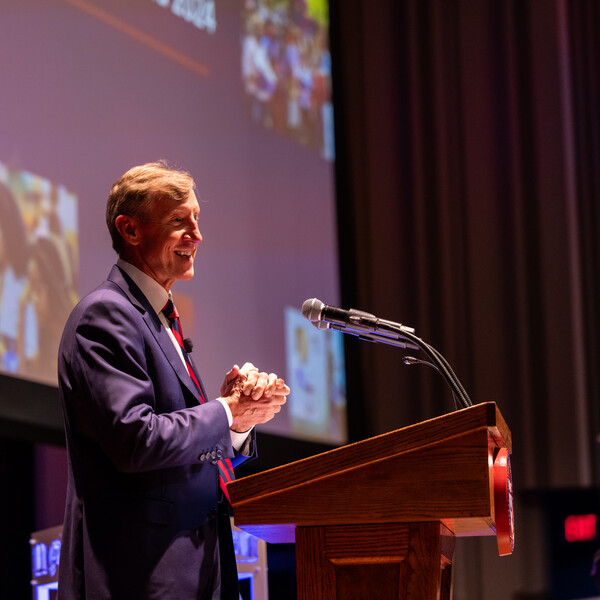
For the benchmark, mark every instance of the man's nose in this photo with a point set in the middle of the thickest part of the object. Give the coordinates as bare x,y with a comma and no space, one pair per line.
194,233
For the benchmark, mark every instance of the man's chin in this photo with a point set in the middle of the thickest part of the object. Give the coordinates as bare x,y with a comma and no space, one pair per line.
188,274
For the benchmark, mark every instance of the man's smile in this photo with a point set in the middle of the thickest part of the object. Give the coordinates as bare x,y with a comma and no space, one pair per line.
185,253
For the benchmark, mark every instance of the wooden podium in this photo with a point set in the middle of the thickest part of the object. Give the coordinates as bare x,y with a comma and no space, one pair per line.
378,518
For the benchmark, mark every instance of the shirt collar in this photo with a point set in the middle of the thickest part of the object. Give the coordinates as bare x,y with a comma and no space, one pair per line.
154,292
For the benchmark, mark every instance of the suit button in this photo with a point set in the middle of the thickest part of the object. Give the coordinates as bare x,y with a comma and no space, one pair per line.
202,457
219,453
213,455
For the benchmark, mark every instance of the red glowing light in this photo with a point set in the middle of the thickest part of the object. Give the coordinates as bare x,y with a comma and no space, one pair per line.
580,528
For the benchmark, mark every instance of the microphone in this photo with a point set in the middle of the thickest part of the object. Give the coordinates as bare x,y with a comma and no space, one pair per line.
357,322
315,310
188,345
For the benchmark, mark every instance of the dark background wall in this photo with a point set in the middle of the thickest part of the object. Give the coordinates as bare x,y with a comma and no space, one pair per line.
468,175
467,170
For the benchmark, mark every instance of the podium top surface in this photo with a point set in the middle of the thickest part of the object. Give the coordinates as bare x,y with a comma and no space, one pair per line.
481,416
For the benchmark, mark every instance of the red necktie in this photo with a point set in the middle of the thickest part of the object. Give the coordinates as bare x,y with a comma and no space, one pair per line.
225,467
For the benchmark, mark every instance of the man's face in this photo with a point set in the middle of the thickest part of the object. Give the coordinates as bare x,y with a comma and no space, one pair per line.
168,240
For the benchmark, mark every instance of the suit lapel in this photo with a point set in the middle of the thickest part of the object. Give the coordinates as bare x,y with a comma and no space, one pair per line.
137,298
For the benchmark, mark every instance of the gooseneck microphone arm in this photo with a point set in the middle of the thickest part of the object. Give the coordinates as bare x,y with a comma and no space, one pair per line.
411,360
368,327
444,368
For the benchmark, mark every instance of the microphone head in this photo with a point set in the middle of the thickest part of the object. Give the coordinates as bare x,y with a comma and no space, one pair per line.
311,309
188,345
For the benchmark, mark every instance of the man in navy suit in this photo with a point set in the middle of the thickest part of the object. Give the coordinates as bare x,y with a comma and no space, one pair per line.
145,517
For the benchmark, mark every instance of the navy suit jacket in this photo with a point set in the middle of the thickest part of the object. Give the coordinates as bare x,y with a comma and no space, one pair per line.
142,498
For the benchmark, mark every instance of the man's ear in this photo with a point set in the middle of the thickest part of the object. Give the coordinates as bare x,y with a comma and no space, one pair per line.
127,227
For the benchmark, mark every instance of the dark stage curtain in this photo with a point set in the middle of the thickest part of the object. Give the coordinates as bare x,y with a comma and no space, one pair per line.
467,174
584,38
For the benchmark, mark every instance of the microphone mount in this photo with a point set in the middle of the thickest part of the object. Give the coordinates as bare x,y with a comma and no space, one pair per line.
368,327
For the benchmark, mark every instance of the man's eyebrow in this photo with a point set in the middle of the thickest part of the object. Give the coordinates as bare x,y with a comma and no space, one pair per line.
182,211
177,210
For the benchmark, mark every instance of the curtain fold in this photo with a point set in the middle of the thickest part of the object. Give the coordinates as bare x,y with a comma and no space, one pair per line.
584,46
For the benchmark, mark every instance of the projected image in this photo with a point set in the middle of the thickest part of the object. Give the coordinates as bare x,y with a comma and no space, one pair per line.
286,70
315,360
126,83
38,267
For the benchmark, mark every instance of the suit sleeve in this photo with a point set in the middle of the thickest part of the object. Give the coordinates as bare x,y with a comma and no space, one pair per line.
111,392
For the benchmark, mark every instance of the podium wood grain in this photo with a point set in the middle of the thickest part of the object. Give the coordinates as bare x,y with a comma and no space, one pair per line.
377,519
